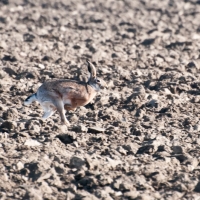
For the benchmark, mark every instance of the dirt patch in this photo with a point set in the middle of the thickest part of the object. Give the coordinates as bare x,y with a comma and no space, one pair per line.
138,139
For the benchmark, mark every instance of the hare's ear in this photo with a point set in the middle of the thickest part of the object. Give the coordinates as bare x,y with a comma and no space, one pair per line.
91,69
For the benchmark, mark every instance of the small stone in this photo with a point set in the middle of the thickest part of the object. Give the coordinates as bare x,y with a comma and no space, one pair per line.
197,127
76,144
145,197
194,63
118,193
41,66
105,180
70,195
152,103
95,130
31,142
10,114
3,136
191,163
121,150
113,163
63,128
3,44
33,125
177,149
131,194
33,193
139,113
20,165
116,184
44,176
76,162
92,163
159,177
126,186
131,147
79,128
28,37
23,54
146,149
5,177
177,195
62,28
42,32
45,188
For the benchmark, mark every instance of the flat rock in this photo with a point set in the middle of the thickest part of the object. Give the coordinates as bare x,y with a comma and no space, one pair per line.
95,129
76,162
31,142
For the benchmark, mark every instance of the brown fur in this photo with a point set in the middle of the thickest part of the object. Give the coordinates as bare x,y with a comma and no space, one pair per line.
79,93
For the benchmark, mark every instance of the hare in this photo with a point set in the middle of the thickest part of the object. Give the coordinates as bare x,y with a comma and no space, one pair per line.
66,94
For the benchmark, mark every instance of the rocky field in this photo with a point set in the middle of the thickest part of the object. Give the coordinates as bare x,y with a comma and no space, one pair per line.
138,139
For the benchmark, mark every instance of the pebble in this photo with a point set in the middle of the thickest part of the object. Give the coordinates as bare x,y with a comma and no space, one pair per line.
95,130
31,142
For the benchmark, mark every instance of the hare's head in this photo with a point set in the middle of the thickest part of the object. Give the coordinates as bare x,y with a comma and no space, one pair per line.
93,81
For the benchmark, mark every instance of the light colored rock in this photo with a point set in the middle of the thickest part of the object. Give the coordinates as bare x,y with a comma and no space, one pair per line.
45,188
41,66
31,142
113,163
20,165
131,194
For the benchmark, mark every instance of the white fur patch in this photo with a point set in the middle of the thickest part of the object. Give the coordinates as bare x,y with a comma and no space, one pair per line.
67,101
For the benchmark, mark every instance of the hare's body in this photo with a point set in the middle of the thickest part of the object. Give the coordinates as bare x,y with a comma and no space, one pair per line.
65,94
72,92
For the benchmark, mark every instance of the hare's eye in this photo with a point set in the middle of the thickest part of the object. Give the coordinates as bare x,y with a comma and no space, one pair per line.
98,81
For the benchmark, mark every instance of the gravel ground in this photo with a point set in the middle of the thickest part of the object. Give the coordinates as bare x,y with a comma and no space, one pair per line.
138,139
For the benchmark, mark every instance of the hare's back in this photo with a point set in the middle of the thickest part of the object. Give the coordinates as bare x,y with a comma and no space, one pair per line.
51,89
74,90
66,89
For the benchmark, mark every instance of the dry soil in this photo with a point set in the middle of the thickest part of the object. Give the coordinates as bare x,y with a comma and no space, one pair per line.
138,139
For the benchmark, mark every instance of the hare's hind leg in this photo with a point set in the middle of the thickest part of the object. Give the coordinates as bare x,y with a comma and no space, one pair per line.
48,108
60,108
